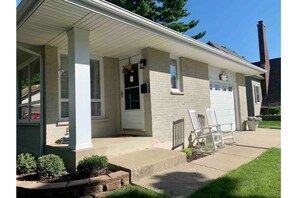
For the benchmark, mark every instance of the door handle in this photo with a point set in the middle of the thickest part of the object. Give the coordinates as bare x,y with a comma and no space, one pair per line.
121,93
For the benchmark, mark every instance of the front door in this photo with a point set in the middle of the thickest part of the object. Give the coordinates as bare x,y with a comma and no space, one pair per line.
132,112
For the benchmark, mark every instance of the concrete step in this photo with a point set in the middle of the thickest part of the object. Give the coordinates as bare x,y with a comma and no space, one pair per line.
145,163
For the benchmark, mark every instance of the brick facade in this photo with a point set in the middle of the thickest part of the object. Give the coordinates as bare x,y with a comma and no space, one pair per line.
167,107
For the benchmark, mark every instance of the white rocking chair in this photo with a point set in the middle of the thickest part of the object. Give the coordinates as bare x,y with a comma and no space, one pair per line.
213,123
203,133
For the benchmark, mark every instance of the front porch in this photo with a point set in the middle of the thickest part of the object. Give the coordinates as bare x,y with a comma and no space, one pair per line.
109,146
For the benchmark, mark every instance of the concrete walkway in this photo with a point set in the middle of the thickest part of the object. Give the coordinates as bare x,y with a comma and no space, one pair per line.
184,179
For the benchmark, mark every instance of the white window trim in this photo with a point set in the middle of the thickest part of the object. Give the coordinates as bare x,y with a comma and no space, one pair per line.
178,76
102,90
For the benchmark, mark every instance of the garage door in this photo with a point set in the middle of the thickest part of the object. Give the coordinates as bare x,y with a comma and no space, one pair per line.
222,100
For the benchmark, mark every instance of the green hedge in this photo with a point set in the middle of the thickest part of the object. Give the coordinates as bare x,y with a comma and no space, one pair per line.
50,166
92,166
26,163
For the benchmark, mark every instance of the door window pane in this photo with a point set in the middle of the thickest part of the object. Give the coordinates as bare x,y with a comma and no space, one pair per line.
132,98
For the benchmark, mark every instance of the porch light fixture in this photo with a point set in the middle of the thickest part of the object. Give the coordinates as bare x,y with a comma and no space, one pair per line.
223,76
142,63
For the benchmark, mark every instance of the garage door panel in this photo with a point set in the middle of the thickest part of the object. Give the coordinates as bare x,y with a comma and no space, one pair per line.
222,100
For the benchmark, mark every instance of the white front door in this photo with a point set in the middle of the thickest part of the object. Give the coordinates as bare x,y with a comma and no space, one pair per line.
222,100
132,112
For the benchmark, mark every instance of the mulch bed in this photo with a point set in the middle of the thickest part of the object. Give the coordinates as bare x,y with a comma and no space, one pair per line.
195,156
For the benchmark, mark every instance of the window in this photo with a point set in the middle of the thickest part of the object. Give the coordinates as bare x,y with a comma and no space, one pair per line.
29,91
174,72
95,85
224,88
217,87
257,93
210,86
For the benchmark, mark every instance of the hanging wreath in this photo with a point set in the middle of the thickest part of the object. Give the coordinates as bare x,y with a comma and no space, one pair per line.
127,69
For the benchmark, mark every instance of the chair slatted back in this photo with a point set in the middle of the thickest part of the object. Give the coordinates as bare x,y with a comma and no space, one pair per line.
194,119
211,117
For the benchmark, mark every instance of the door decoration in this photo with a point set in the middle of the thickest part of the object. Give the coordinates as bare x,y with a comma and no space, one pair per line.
128,69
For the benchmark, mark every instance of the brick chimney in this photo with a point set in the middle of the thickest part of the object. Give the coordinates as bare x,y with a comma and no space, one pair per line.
264,58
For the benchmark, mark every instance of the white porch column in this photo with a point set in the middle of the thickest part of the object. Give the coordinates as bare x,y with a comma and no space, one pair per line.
80,134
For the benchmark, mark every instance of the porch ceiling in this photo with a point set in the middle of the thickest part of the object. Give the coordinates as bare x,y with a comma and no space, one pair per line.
111,37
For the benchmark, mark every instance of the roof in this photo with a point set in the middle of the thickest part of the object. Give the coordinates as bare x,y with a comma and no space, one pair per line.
114,32
226,50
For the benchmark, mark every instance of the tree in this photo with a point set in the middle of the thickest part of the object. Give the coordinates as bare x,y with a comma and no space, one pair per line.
164,12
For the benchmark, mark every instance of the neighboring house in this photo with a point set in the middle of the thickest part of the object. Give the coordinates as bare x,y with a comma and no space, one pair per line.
264,90
274,91
105,71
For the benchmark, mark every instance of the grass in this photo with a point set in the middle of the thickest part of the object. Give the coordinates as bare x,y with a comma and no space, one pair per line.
270,124
259,178
132,191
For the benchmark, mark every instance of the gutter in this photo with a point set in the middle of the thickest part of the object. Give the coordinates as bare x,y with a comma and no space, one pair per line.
120,14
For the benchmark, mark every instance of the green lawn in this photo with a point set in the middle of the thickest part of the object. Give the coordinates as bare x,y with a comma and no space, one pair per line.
270,124
259,178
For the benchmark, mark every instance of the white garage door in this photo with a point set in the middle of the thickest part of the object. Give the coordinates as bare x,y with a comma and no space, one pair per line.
222,100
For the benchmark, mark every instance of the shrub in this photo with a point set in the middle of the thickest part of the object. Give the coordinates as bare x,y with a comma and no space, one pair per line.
26,163
274,111
92,166
50,166
188,152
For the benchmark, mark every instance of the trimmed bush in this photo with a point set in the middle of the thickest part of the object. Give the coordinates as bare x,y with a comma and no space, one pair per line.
274,111
92,166
26,163
50,166
188,152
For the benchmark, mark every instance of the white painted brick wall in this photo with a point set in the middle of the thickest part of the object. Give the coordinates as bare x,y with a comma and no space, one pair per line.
167,108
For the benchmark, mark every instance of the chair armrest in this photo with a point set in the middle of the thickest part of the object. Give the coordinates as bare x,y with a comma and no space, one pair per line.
206,128
227,123
231,128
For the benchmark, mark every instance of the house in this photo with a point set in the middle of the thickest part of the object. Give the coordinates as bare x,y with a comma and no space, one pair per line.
264,90
104,71
274,90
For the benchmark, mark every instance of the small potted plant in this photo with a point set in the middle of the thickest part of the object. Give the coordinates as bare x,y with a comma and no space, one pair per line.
253,122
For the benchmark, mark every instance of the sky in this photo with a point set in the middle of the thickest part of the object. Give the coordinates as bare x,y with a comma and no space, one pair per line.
233,24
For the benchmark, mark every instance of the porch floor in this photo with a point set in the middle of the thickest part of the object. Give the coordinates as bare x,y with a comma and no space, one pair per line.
113,146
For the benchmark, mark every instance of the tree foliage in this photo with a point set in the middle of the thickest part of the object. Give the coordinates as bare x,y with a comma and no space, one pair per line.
164,12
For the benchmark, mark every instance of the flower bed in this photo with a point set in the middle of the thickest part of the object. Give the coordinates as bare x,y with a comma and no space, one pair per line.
195,155
98,186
